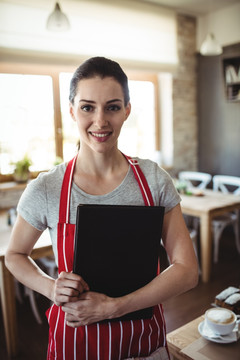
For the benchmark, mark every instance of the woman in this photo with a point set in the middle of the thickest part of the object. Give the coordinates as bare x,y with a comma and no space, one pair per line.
100,173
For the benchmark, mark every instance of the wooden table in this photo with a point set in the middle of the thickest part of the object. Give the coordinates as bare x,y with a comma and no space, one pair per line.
7,291
187,340
182,337
207,207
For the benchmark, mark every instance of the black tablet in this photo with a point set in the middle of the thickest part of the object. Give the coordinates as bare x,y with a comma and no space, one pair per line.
117,248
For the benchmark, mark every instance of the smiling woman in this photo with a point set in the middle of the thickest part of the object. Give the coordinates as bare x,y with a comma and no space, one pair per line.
81,319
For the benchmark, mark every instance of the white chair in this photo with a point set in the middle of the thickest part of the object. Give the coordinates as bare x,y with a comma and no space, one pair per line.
199,180
196,179
222,183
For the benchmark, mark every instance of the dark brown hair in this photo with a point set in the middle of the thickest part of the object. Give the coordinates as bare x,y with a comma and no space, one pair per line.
103,67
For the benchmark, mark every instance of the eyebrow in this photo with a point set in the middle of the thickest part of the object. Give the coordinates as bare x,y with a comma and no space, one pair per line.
93,102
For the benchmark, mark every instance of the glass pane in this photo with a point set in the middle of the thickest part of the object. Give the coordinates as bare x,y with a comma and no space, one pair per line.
26,121
69,127
138,133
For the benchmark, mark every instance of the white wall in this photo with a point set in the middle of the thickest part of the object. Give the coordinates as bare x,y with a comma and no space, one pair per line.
224,23
16,31
141,34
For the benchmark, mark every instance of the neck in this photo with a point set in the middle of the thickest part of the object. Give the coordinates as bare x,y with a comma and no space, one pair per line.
101,164
100,174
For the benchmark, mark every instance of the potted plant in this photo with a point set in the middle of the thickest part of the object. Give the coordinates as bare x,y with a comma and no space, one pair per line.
58,161
21,171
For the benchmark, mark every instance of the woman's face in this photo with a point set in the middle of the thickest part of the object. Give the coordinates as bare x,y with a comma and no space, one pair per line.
99,112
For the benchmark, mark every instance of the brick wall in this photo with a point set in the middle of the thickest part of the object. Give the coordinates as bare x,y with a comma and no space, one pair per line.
185,97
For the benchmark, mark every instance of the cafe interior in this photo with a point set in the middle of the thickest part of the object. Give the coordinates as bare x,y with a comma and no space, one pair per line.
182,59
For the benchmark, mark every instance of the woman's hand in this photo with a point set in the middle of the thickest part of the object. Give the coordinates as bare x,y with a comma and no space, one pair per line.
91,307
68,287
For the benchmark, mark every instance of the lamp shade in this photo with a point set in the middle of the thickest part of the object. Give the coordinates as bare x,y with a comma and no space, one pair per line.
57,20
210,46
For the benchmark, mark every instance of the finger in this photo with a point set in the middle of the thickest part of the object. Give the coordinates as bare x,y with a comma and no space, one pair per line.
69,287
88,295
70,308
73,320
66,291
73,281
83,282
60,300
74,324
73,276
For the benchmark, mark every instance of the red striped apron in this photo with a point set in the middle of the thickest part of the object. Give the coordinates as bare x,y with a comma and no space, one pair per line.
110,340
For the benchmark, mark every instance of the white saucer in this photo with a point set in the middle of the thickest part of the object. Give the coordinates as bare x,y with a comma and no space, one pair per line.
209,335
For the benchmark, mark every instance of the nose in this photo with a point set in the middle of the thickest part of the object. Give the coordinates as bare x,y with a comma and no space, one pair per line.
100,119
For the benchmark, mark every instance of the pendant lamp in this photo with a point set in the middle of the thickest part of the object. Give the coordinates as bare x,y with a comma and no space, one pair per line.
210,46
57,20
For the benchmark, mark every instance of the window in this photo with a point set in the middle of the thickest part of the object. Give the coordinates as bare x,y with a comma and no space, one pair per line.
137,137
69,128
27,126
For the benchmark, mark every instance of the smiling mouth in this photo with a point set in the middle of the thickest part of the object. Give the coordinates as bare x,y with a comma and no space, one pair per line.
100,135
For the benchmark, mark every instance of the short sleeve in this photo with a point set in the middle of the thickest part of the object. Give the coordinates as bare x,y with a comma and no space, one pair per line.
32,205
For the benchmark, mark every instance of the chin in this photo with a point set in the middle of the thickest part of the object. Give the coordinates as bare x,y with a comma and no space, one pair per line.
103,148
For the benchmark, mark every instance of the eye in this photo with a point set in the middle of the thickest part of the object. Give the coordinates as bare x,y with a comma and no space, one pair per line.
87,108
113,107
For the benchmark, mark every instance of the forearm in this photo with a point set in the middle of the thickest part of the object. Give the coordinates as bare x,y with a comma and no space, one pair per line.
65,288
28,273
18,260
175,280
93,307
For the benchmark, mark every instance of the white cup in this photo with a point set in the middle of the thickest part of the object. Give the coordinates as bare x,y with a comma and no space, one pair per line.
220,320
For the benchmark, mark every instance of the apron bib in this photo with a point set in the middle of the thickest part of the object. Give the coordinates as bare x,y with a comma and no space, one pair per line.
105,341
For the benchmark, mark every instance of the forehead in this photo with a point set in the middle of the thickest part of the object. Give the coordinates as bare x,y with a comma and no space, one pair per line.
97,86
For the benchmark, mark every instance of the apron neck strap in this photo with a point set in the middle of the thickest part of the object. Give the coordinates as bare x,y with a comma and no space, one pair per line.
64,206
142,182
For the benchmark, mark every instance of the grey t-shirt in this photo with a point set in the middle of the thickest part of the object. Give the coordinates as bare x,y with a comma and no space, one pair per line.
39,203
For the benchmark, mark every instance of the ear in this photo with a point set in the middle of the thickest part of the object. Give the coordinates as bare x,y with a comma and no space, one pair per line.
71,111
127,110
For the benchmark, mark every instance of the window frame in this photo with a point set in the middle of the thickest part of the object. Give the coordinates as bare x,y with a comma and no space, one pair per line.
53,69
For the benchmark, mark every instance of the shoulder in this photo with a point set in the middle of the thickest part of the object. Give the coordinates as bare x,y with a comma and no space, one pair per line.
152,169
41,197
49,179
48,184
44,186
55,172
160,184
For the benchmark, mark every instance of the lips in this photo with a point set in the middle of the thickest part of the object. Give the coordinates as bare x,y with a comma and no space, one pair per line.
100,134
101,137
